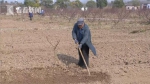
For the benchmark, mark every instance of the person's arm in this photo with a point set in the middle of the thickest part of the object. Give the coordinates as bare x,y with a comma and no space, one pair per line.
74,33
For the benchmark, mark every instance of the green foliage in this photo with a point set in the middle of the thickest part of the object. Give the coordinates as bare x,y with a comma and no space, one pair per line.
32,3
76,4
47,3
91,4
101,3
118,4
62,3
135,2
1,1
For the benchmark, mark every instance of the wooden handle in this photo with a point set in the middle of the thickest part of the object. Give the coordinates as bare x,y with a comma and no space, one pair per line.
84,62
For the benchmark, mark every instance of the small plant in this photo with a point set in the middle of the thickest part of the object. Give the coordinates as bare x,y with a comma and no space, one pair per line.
54,46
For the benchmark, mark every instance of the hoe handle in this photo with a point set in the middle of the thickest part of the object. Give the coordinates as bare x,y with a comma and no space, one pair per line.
84,62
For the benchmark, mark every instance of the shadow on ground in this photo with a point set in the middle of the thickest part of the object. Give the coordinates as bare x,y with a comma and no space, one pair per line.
67,59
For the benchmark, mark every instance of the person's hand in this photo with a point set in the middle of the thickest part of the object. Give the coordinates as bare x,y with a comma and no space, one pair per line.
76,41
80,46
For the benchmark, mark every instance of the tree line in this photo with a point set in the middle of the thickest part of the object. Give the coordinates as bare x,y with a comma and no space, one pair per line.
75,3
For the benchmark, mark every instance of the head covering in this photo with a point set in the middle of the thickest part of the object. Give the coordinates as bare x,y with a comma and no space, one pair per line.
80,21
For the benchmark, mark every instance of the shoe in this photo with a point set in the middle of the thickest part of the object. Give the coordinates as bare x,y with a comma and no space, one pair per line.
80,64
84,67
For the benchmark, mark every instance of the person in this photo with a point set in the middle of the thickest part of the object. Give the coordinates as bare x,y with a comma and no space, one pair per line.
42,12
30,15
82,36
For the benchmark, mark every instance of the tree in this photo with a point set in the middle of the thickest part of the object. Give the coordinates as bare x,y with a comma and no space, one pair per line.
135,2
62,3
118,4
6,2
1,1
32,3
101,3
47,3
91,4
76,4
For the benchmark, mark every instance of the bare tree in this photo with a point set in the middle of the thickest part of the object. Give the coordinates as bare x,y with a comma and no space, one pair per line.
121,15
54,46
146,15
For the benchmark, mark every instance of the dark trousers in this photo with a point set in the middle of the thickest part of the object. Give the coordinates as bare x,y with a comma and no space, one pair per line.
85,52
30,18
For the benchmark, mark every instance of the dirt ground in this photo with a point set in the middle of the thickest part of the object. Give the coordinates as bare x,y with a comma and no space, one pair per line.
28,54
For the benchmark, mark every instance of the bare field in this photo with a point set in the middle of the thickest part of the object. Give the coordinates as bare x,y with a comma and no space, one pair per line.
28,54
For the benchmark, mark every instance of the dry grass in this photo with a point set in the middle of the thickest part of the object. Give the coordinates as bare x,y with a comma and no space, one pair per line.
27,57
132,21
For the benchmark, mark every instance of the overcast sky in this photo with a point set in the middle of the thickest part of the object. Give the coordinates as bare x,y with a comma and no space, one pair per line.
83,1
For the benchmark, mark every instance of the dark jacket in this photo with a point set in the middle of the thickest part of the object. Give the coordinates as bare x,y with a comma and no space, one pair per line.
30,14
86,36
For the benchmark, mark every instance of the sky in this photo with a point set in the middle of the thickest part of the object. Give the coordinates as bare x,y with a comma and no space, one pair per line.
83,1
